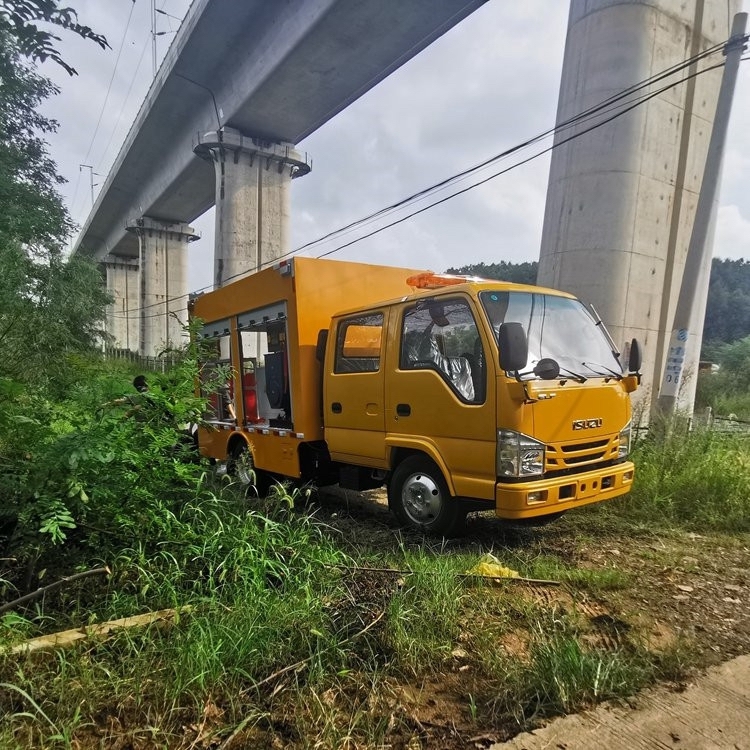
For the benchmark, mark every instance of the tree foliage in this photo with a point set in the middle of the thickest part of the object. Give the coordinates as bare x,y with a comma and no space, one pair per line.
50,308
728,307
19,19
83,461
727,311
31,210
50,311
519,273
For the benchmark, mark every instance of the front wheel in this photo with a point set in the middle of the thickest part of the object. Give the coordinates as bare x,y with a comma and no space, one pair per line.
419,497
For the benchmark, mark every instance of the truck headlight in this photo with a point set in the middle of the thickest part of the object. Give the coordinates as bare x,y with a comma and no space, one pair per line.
518,455
625,434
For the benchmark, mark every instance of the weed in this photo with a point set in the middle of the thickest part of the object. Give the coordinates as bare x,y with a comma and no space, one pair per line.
561,676
698,480
422,621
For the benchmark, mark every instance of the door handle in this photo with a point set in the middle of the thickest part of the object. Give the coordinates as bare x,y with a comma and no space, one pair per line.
336,407
403,410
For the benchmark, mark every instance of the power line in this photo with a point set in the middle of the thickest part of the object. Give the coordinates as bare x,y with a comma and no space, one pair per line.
559,127
124,102
582,117
614,103
109,86
513,166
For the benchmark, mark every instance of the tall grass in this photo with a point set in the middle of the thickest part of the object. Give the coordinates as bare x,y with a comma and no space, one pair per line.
274,640
257,591
423,614
562,676
698,480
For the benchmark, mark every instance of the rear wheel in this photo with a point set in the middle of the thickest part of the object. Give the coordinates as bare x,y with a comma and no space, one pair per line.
419,497
242,467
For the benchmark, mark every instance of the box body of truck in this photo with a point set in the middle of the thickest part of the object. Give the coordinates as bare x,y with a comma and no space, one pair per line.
368,375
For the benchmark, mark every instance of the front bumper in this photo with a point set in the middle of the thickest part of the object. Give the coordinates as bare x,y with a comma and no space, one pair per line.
562,493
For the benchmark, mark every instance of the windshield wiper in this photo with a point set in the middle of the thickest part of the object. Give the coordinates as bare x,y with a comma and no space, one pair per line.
609,372
569,375
575,375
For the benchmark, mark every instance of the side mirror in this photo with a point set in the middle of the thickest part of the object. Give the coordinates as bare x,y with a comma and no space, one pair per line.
635,358
547,369
514,348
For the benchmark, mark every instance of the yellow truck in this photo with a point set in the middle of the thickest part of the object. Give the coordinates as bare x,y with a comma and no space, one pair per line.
457,393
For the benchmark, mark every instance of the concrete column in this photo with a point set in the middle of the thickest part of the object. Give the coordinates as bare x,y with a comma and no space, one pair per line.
253,178
123,319
163,289
621,199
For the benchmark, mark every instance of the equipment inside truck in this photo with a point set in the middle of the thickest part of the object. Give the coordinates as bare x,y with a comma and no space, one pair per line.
264,367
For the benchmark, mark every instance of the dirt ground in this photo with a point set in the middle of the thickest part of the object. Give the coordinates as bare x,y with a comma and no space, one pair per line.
689,585
683,589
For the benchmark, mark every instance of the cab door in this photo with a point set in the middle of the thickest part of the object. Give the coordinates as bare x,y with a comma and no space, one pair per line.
440,396
353,391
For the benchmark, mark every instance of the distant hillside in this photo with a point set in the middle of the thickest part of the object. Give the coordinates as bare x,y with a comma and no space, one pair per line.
727,311
728,308
518,273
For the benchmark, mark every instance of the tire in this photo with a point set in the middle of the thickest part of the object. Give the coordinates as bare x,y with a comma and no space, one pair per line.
419,497
242,467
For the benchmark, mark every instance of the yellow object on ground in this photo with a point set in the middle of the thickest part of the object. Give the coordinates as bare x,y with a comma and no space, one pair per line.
490,567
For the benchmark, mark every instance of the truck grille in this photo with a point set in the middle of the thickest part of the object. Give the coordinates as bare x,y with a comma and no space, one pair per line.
577,455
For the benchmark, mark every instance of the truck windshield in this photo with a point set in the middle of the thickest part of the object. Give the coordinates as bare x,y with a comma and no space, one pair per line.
556,327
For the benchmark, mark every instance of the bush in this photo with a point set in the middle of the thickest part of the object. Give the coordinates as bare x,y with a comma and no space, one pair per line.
93,473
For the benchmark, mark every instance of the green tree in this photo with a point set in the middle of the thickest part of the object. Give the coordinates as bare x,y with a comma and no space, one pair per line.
18,21
518,273
48,307
728,306
31,210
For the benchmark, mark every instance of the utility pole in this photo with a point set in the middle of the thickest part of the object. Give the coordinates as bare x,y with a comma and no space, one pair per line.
153,37
698,255
91,179
155,33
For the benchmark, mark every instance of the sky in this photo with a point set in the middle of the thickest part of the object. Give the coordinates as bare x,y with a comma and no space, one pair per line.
485,86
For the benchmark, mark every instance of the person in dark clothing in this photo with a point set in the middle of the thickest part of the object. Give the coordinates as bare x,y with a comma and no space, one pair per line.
140,384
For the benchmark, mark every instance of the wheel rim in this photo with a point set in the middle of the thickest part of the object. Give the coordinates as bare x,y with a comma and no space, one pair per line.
421,498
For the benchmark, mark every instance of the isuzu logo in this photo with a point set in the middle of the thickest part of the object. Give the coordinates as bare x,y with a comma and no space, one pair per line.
586,424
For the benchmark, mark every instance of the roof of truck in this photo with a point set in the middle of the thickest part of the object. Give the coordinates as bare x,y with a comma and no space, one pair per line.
472,286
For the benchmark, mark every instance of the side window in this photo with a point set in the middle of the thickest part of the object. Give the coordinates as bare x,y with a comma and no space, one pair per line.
358,343
443,336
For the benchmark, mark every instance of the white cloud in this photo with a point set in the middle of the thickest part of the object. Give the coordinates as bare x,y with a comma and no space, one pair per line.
732,234
488,84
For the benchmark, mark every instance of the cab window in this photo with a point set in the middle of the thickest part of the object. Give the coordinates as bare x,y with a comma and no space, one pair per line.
443,336
358,343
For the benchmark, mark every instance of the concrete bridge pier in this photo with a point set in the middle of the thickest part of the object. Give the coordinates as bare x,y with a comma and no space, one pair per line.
253,178
622,197
163,292
123,319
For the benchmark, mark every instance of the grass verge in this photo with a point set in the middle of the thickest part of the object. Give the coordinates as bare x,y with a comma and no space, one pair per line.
290,642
